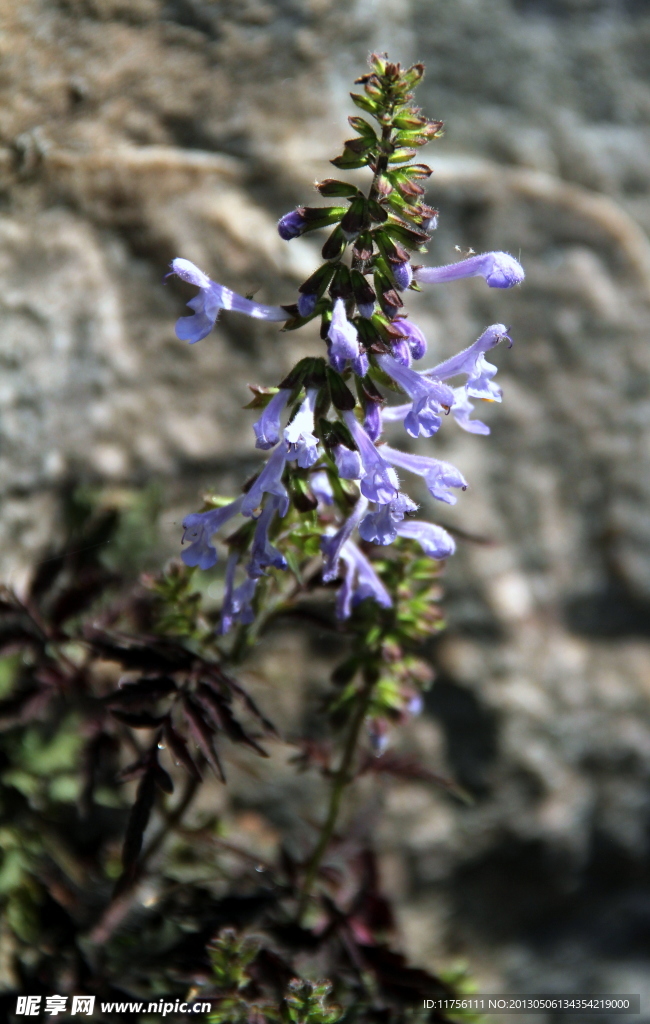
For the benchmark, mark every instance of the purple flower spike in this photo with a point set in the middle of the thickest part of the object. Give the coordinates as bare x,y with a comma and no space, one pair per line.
292,224
414,337
332,544
462,409
211,299
402,274
263,553
360,582
267,427
433,540
303,443
439,476
379,482
500,270
269,482
380,527
321,487
343,337
472,362
199,527
429,397
237,600
348,463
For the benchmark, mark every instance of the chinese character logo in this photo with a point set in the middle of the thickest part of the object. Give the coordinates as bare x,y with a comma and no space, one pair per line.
83,1004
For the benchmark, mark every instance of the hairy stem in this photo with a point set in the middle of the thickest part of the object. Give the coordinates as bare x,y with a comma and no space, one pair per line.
341,779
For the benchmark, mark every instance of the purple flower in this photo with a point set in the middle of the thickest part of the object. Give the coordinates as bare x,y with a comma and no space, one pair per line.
433,540
348,462
462,409
292,224
303,443
380,527
359,582
372,420
236,605
332,543
199,527
401,351
267,427
263,553
414,337
472,362
269,482
360,364
379,482
429,397
366,309
211,299
500,270
439,476
402,274
307,303
343,337
321,487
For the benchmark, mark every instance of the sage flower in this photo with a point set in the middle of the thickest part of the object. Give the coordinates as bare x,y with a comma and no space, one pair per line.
500,270
267,427
429,397
433,539
360,582
212,298
439,476
302,442
379,481
344,343
199,527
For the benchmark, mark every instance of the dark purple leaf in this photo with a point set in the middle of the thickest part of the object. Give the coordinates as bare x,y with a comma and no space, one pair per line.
225,720
137,719
203,735
142,691
138,820
163,779
178,748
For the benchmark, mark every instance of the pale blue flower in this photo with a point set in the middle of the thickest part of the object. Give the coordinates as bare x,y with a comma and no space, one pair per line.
360,582
321,487
344,342
380,527
500,270
237,601
268,482
211,299
462,409
415,339
348,462
429,397
472,362
303,443
199,527
263,553
332,543
439,476
402,274
267,427
433,540
379,481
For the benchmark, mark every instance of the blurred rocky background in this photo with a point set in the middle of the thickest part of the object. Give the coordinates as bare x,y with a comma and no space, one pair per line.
132,131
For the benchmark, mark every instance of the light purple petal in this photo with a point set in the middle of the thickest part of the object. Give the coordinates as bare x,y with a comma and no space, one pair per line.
332,544
268,482
302,442
439,476
462,409
379,482
433,540
267,427
430,397
198,528
500,270
321,487
348,462
472,362
343,337
263,554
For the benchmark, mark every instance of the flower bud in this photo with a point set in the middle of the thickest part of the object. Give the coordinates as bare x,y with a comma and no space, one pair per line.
292,224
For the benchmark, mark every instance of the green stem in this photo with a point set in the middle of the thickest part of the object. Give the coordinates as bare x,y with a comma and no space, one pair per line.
340,781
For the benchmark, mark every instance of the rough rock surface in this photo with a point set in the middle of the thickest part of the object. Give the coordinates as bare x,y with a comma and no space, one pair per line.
135,130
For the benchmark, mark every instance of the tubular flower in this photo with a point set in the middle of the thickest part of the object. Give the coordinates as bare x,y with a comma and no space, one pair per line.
267,427
348,463
433,540
344,343
380,527
500,270
268,482
429,397
212,298
332,543
263,553
359,582
439,476
237,601
415,339
379,481
302,442
199,527
292,224
321,487
472,362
